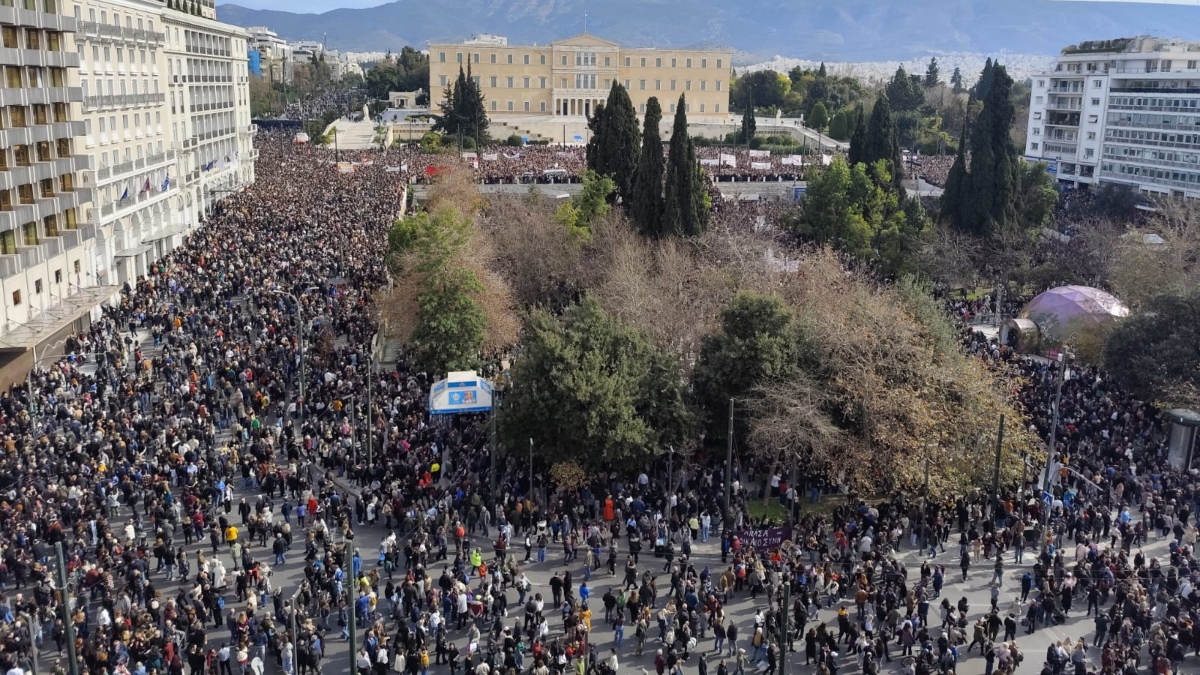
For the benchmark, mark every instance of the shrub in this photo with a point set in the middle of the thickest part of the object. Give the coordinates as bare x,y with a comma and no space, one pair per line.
515,141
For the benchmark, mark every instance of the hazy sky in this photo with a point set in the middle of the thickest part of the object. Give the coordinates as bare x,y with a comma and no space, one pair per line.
314,6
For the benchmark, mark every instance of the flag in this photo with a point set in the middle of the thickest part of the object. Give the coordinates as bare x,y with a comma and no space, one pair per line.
125,194
166,184
146,187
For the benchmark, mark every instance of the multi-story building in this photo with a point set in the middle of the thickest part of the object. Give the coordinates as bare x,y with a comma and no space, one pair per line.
47,281
569,77
1121,111
208,94
134,173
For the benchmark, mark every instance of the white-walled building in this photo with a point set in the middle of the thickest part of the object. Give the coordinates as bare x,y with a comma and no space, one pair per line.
1121,111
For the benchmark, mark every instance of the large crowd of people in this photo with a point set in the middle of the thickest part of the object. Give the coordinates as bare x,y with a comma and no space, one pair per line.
210,430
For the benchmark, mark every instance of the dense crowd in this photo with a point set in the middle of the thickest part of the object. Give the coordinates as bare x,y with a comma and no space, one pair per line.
933,168
214,428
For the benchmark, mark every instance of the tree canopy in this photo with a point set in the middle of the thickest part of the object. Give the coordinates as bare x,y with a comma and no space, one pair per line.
594,390
1153,354
462,109
407,72
616,141
646,207
685,201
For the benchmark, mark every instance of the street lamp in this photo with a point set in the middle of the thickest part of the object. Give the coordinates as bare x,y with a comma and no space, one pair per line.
1061,356
33,648
300,330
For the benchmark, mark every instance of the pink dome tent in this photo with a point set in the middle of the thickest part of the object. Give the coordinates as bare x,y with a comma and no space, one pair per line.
1061,311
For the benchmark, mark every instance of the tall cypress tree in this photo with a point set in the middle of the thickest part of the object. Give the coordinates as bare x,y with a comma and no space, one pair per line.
882,141
995,166
984,85
957,191
617,151
646,207
858,140
679,201
595,126
749,124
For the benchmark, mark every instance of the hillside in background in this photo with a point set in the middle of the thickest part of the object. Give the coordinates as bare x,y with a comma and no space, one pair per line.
833,30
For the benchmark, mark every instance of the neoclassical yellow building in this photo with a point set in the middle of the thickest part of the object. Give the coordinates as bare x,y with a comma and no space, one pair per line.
569,77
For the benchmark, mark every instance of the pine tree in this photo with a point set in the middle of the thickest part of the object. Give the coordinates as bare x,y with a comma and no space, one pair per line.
646,207
680,217
956,80
882,142
858,140
904,96
620,140
995,165
931,73
821,70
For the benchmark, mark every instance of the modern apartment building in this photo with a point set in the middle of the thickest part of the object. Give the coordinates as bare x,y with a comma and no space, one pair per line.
121,122
1121,111
47,280
569,77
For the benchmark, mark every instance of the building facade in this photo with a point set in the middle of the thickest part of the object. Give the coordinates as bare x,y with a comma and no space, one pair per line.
1123,111
568,78
47,281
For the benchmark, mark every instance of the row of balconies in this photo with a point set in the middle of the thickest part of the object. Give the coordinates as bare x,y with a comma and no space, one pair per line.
205,107
20,214
216,133
39,133
46,249
122,100
180,79
40,95
210,51
15,176
145,163
109,32
107,68
39,58
1147,179
28,18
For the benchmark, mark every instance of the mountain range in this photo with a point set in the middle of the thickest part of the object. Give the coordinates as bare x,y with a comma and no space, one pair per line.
834,30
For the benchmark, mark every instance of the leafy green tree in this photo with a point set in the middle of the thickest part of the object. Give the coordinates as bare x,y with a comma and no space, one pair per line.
593,199
841,124
819,117
646,207
840,209
618,141
756,344
956,80
1153,354
1037,194
450,323
407,72
594,390
763,88
684,192
931,73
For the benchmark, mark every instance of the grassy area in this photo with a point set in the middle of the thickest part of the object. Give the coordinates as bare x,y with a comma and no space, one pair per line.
771,509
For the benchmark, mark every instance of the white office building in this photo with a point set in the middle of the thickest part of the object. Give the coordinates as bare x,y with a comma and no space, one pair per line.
1123,111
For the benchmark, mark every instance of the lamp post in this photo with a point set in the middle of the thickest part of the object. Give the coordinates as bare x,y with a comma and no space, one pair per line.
1061,356
65,602
300,330
33,648
728,524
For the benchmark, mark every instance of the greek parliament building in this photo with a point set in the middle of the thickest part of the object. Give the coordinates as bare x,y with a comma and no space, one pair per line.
121,123
1123,111
568,78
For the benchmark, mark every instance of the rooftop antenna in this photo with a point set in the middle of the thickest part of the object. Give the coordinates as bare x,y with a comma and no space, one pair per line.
585,22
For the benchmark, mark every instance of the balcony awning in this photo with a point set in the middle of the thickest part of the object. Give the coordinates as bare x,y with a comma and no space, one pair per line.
25,336
166,232
131,252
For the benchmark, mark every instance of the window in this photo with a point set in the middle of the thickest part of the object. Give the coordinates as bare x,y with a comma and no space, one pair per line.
37,286
672,107
526,57
542,59
607,61
628,61
718,63
564,59
672,85
1089,153
703,85
526,106
29,234
1037,100
687,63
475,57
658,85
493,105
658,63
1037,131
1093,118
493,81
1096,84
717,85
16,298
701,107
493,58
703,63
642,108
542,106
607,83
458,57
542,82
643,62
1091,135
1095,101
526,85
642,85
442,80
1033,146
626,84
716,107
510,59
510,106
672,62
687,85
442,57
510,82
